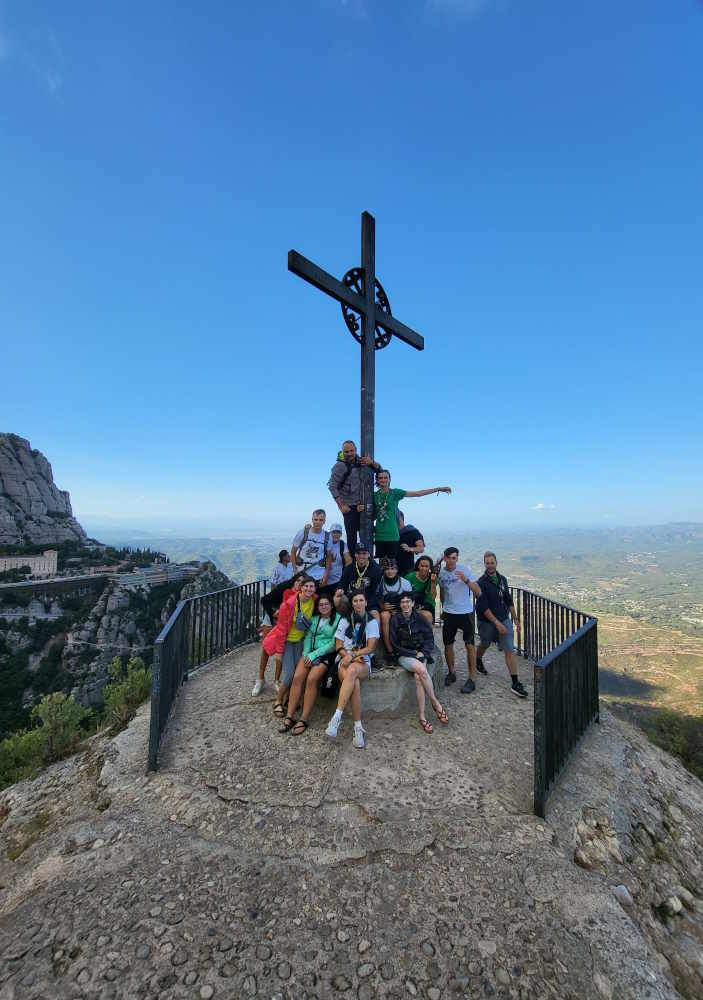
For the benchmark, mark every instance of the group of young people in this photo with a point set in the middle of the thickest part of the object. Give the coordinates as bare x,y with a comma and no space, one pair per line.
332,609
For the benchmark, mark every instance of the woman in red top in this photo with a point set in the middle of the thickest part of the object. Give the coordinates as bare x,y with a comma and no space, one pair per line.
274,646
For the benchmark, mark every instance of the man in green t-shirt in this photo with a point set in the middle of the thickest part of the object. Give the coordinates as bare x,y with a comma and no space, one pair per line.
385,503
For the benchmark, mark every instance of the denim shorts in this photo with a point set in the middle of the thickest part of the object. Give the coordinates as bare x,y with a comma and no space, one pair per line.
488,633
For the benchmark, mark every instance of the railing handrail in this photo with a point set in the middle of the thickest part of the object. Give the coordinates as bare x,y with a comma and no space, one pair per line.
549,658
199,629
196,597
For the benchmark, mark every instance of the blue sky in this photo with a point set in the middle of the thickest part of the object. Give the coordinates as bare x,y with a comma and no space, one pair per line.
535,173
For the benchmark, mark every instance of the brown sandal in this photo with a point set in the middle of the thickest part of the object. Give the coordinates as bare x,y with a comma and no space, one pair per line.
300,722
278,710
427,726
441,715
288,724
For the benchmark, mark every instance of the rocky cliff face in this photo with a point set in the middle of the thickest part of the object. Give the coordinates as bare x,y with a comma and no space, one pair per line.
33,511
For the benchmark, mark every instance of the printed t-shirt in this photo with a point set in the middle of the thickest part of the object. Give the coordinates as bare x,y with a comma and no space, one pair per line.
372,632
337,562
312,552
386,508
458,599
281,573
308,609
421,587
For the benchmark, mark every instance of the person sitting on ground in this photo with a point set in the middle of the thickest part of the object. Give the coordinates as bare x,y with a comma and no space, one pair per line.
283,570
345,485
413,643
319,654
456,587
356,641
287,637
385,501
410,545
496,614
337,558
423,581
390,588
309,550
363,574
272,603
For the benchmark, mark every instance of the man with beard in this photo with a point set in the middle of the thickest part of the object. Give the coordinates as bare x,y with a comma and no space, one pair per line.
345,486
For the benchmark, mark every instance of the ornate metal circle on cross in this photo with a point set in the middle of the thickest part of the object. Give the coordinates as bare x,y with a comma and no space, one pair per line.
354,279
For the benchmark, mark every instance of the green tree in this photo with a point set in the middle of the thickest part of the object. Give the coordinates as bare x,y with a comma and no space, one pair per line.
61,717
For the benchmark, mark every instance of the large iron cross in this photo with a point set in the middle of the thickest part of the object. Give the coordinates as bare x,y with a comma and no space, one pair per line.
367,313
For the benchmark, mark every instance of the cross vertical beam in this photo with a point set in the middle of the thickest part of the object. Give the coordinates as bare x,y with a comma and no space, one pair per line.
357,295
368,371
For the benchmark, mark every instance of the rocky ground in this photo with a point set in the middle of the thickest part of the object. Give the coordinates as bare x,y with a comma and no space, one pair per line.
255,864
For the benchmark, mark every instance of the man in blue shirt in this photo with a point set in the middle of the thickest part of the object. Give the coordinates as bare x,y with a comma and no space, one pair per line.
457,588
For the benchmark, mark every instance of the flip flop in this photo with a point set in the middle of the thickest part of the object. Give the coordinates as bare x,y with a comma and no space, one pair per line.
427,726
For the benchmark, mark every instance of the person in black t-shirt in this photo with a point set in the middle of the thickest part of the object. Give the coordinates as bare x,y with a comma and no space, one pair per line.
410,545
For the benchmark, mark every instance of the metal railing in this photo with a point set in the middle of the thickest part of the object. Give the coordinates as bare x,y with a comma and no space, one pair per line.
199,630
563,643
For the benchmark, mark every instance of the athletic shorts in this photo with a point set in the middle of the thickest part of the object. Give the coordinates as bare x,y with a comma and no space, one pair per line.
488,633
452,624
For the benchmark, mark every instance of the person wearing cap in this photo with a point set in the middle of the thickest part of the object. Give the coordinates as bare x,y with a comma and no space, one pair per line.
390,588
363,574
337,558
345,485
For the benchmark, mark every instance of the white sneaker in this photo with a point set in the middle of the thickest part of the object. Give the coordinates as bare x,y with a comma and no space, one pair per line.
358,740
277,686
258,688
333,727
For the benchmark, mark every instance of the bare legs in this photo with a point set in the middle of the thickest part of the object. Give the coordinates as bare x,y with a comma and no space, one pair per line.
306,679
386,630
350,690
424,687
263,660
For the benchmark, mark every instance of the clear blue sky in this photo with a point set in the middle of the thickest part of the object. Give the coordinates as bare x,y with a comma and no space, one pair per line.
535,173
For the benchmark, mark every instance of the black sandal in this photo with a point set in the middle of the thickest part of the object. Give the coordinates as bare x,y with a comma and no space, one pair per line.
288,724
278,710
304,724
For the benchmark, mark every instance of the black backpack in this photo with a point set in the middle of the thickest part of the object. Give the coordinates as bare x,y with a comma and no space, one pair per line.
320,562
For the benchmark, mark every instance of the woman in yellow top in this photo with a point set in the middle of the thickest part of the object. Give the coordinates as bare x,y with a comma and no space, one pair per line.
297,614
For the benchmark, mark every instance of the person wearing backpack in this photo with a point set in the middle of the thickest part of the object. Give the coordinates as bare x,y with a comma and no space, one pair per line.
317,659
345,485
337,559
356,640
310,549
286,638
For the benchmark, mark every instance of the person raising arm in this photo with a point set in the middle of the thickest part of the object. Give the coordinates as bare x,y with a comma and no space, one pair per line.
386,502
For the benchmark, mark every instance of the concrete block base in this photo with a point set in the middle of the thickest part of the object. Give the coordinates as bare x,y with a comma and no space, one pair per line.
391,690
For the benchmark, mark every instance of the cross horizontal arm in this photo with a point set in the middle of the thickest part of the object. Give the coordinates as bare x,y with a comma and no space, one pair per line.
400,330
305,268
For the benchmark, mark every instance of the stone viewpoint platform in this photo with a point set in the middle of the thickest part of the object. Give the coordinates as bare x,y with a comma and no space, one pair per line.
254,864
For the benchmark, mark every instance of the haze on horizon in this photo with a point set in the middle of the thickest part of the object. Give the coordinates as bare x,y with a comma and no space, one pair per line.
538,197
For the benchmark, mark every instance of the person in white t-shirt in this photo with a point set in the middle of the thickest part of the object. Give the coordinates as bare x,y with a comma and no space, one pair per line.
309,550
283,569
356,640
457,588
337,558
